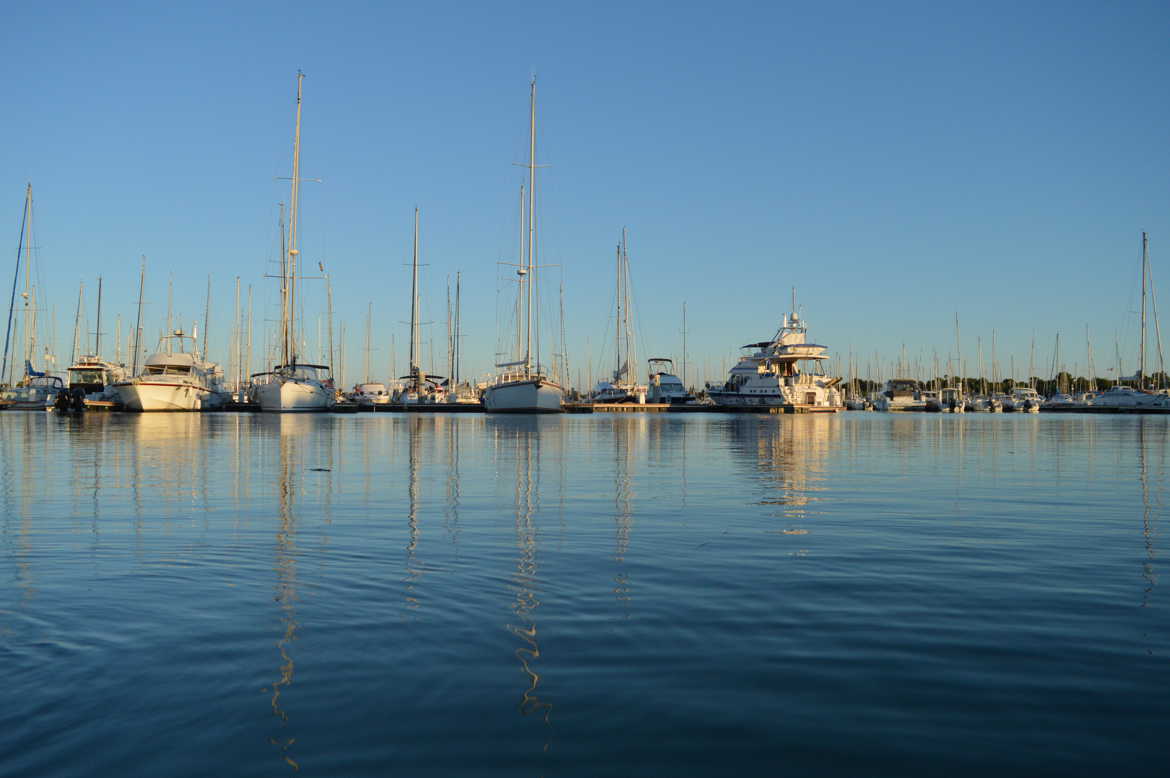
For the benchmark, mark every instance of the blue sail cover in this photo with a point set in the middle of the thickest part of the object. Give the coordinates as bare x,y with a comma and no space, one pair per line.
28,370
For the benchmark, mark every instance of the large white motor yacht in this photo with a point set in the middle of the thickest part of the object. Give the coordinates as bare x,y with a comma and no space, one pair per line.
173,381
784,372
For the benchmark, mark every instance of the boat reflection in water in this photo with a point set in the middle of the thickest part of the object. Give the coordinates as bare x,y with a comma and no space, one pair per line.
291,433
523,434
789,454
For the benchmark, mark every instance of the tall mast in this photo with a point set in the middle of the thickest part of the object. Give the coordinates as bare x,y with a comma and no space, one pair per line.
248,353
170,307
1089,355
531,227
522,276
206,319
77,324
289,347
458,322
238,341
450,340
369,327
97,335
619,321
627,327
26,212
958,351
684,353
1032,364
1141,375
329,302
138,325
30,314
564,369
415,339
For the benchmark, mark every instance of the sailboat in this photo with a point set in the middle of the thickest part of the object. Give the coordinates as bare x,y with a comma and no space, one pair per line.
420,387
293,385
35,390
521,386
1137,397
623,385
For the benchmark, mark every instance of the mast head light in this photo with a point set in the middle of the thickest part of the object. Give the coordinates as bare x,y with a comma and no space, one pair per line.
521,271
294,252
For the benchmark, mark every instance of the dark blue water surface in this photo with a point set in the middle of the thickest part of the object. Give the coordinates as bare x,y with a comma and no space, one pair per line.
863,594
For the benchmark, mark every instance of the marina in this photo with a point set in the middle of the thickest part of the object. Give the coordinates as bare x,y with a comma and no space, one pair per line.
574,391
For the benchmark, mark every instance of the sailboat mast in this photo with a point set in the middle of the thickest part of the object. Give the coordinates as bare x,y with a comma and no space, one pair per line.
369,328
684,353
206,319
237,341
138,325
415,340
289,317
618,321
531,227
564,369
631,357
77,324
458,322
97,335
450,339
15,280
958,351
1141,376
1032,364
30,315
170,308
329,302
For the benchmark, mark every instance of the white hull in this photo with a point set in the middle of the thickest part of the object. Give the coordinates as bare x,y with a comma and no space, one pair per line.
526,396
143,396
294,396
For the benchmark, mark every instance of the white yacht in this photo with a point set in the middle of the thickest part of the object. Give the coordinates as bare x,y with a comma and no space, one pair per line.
92,379
522,387
784,372
1126,397
900,394
1023,399
664,386
370,394
173,381
293,386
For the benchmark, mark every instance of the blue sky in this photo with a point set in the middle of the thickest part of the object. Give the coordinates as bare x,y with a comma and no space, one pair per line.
897,163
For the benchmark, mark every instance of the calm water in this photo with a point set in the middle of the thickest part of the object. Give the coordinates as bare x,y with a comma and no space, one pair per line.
226,594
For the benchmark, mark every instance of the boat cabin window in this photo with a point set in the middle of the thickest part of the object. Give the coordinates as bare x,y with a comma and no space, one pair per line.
168,369
86,376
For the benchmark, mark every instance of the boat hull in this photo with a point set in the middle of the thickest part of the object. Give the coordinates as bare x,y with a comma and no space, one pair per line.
529,396
147,396
292,396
